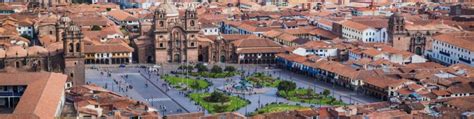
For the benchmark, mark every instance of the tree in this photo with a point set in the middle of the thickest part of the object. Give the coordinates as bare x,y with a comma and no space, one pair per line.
216,69
200,67
326,92
309,92
96,28
286,86
195,85
108,9
217,96
229,69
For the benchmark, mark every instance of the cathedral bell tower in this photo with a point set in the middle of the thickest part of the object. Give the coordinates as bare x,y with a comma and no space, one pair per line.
60,26
191,20
160,20
73,48
396,27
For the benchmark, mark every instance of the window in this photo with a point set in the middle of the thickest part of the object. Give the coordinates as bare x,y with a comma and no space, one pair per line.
192,23
161,44
192,44
161,24
71,47
50,32
78,47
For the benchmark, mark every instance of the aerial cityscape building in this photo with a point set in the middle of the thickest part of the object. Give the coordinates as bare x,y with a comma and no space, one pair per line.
237,59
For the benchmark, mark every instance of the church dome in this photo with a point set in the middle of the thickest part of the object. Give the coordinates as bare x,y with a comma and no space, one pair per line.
73,28
170,10
65,19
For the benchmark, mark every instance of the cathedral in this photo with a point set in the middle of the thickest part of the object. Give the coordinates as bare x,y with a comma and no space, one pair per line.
413,38
64,56
174,37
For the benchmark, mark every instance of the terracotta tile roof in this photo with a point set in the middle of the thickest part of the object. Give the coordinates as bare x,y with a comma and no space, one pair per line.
42,96
112,104
287,37
371,52
317,45
459,39
122,15
323,33
192,115
292,57
272,33
324,22
107,48
46,40
55,48
252,28
233,37
462,88
463,70
254,42
373,22
441,92
463,104
85,20
260,50
354,25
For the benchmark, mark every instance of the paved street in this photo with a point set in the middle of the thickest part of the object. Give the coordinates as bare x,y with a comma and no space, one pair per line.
148,87
150,94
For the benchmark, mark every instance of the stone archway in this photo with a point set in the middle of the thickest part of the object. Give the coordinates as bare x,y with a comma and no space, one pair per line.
149,59
418,51
177,58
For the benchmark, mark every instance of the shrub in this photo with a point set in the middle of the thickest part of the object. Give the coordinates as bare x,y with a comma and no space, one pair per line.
216,69
286,86
229,69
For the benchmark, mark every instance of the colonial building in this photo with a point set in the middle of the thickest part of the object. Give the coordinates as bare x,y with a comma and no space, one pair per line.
65,56
413,41
415,33
175,35
453,48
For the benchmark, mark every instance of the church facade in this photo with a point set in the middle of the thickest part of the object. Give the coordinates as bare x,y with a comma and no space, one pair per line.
175,35
413,38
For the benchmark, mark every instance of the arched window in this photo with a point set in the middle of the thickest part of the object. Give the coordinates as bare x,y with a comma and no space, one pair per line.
78,47
71,47
161,24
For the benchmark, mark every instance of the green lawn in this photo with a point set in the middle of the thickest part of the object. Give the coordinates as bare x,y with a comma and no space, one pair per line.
234,104
263,80
278,108
301,95
188,82
214,75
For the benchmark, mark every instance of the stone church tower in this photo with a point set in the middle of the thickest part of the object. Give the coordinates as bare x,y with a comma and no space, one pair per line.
413,40
396,27
73,47
175,39
61,25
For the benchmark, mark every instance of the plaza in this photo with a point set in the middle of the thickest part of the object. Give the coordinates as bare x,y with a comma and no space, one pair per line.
140,83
